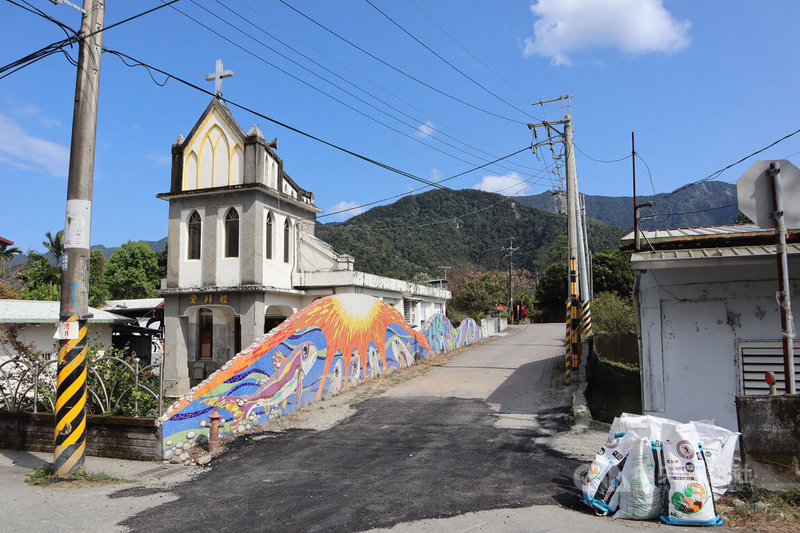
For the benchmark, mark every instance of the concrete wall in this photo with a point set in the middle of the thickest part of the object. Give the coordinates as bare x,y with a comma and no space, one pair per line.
492,326
770,441
332,344
106,436
692,321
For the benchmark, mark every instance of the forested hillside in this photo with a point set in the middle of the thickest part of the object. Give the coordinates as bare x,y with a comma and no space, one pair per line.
419,233
690,207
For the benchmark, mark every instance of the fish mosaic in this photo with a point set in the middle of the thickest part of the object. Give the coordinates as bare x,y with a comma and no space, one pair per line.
443,337
330,345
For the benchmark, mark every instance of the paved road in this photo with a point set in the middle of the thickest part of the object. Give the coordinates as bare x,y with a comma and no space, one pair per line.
462,438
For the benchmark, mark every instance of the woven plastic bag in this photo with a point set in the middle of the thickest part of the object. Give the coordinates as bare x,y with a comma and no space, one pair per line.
642,484
601,482
688,499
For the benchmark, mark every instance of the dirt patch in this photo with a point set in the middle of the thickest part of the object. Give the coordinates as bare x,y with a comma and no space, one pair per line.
762,512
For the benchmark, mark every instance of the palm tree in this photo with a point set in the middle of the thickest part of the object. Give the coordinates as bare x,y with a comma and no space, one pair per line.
55,244
7,254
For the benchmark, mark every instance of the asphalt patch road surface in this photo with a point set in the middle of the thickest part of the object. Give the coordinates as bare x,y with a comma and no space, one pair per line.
396,460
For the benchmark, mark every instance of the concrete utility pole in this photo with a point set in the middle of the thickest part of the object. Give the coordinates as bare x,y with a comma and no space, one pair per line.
578,267
509,251
70,444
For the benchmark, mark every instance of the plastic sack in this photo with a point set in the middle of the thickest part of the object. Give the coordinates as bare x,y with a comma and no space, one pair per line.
642,484
688,498
718,447
601,482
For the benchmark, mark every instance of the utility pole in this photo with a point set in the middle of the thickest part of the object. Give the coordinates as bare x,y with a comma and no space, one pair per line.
579,301
70,443
445,269
636,206
509,251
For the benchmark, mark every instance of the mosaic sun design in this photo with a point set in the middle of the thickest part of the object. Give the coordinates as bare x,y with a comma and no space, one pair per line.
330,345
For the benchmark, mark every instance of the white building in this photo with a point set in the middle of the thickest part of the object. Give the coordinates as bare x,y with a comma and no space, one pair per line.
708,319
35,323
242,255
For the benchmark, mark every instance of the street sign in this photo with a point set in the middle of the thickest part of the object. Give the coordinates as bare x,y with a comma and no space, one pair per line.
66,330
754,190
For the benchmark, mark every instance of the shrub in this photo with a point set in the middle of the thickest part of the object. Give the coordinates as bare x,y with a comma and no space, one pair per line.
611,314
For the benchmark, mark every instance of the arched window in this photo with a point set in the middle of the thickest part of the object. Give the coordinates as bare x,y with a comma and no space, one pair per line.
286,241
268,244
232,233
195,225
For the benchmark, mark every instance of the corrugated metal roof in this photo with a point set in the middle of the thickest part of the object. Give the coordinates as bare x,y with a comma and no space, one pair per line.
134,303
676,235
710,255
41,312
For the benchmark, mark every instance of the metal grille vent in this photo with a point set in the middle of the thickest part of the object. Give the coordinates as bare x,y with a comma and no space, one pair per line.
759,358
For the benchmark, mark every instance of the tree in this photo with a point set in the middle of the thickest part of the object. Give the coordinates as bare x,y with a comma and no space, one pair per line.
42,280
132,271
7,254
55,245
97,286
7,292
611,272
552,289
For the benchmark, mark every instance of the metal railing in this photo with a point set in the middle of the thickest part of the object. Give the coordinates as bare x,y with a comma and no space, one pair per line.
115,386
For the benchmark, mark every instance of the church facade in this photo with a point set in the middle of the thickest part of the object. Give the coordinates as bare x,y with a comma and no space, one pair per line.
242,254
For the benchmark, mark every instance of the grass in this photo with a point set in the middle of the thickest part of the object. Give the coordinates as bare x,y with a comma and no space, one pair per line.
618,364
764,510
44,476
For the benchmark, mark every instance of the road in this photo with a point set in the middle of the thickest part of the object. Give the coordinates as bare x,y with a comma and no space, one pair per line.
471,439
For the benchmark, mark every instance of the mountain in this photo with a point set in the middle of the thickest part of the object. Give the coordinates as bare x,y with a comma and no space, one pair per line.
690,207
419,233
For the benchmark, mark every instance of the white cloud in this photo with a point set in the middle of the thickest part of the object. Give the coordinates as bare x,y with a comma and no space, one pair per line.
353,210
33,110
24,151
425,130
507,185
160,160
632,26
435,174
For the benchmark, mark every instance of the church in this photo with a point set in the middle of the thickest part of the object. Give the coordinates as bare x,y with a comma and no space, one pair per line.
242,255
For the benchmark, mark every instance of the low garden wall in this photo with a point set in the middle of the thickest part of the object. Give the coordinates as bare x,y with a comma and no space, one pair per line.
619,347
106,436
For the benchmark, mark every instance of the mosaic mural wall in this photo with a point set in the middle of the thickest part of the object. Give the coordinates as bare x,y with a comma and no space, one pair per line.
330,345
443,337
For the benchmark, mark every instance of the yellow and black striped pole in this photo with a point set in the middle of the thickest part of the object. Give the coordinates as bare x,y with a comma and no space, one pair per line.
586,317
575,326
70,436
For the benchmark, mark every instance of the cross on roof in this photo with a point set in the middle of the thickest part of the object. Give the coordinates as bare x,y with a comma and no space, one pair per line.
217,77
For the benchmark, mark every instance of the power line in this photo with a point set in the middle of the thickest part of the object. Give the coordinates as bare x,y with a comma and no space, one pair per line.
287,126
437,121
400,71
720,171
57,46
312,86
473,56
412,126
429,49
601,160
420,188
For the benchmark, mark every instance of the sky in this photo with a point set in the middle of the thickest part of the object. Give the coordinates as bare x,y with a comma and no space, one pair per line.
701,84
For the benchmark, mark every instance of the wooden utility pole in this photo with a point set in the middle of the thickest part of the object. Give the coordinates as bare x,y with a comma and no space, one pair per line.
70,443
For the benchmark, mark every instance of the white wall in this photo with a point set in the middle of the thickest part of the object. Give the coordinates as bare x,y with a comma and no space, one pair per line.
692,321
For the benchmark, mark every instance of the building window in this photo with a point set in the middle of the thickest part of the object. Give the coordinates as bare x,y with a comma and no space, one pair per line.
286,241
268,244
195,225
232,233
